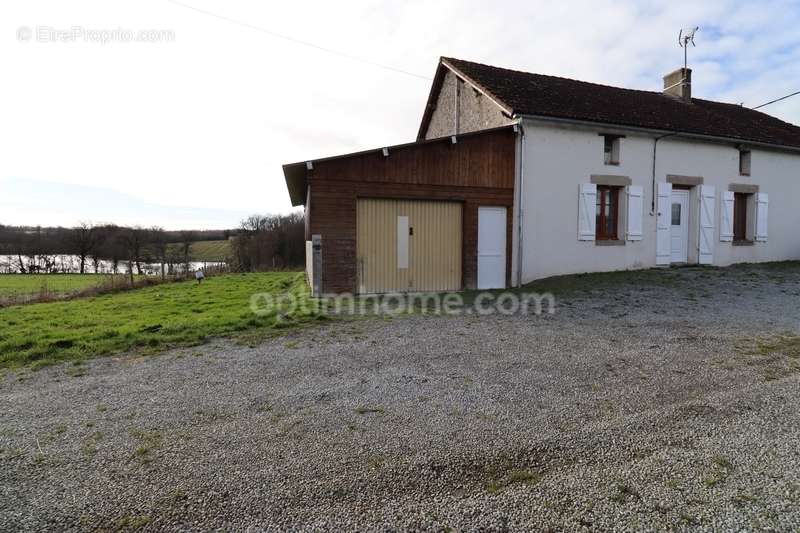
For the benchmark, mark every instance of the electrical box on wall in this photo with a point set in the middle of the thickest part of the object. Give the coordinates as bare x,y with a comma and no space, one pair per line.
316,258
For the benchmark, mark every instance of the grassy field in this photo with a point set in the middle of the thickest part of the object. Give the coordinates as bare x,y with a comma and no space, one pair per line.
149,319
210,251
16,285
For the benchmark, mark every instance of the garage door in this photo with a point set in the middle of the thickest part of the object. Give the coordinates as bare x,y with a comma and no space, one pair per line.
408,245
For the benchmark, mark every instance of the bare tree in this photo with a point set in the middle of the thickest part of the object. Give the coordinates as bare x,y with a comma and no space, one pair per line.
84,240
187,238
114,246
158,243
133,239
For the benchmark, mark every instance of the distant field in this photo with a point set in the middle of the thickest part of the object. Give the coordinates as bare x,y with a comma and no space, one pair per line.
150,319
208,251
14,286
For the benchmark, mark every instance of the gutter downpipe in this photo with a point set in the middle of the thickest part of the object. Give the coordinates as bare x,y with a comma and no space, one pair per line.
655,153
520,200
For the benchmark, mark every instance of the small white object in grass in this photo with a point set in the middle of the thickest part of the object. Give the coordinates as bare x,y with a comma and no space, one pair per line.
199,276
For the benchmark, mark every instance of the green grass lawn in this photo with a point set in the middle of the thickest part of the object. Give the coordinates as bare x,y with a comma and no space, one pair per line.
149,319
13,285
210,251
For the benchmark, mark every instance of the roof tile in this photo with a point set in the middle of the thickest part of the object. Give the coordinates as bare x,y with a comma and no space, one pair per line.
536,94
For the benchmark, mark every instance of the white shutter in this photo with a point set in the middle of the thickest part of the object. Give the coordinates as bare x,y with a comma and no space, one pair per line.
635,212
762,208
587,211
726,217
707,204
663,224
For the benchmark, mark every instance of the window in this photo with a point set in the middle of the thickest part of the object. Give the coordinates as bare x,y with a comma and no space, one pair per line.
676,214
611,149
744,162
607,212
740,216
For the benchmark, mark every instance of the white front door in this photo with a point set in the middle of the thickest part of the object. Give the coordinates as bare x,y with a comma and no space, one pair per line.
491,247
679,229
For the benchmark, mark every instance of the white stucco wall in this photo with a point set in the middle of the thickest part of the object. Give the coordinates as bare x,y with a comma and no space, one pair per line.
558,158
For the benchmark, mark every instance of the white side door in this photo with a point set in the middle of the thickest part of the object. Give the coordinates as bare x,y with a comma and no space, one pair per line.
491,247
663,232
679,226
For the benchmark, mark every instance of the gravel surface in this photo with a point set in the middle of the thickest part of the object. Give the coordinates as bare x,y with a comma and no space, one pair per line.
668,406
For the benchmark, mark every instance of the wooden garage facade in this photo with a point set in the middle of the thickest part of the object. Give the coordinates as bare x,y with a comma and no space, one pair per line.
438,185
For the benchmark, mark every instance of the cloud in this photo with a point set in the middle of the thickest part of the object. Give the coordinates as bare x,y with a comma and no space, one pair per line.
208,120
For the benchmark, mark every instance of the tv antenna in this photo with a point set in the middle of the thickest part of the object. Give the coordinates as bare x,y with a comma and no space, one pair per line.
686,36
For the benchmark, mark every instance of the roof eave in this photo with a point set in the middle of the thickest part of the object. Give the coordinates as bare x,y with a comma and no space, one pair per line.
657,131
296,176
480,88
430,104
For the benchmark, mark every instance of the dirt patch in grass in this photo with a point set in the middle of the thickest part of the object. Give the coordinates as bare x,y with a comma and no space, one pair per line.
624,493
773,357
365,410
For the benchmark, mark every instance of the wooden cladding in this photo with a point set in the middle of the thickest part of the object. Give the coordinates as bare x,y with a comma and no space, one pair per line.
478,170
474,161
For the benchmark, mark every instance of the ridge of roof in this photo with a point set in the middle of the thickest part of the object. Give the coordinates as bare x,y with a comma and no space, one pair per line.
615,87
525,93
455,60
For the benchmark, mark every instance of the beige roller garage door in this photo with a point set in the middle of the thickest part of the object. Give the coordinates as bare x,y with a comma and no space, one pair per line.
408,245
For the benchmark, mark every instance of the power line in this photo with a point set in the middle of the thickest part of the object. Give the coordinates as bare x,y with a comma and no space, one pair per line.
299,41
778,99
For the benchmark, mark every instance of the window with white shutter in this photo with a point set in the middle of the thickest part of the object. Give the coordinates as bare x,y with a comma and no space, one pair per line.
726,216
635,212
587,197
743,229
607,213
749,217
762,208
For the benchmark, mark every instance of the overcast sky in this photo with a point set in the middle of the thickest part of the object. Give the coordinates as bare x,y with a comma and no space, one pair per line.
189,126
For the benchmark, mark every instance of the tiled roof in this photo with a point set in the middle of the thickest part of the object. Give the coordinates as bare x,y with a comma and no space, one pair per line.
523,93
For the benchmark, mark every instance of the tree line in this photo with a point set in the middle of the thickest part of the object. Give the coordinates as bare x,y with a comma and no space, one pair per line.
269,242
262,242
42,250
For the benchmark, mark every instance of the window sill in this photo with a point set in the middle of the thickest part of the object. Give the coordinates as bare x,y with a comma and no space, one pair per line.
609,242
611,163
743,243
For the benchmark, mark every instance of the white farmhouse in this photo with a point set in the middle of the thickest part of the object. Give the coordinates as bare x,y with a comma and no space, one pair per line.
517,176
615,179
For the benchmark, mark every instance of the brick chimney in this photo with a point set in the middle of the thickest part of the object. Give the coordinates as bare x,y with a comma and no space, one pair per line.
679,83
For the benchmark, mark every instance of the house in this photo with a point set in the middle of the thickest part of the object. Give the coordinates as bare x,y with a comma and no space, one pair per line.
517,176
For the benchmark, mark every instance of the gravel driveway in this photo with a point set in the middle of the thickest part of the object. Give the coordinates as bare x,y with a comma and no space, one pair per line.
671,404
